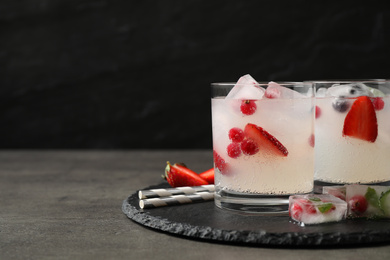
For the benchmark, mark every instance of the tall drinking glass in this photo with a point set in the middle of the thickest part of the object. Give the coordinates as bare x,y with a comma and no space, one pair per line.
263,139
352,132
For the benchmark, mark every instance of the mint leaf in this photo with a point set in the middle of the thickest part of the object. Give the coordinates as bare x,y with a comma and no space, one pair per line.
385,202
372,197
323,208
315,199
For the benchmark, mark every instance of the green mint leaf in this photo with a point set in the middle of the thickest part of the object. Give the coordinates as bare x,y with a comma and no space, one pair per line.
323,208
372,197
384,202
315,199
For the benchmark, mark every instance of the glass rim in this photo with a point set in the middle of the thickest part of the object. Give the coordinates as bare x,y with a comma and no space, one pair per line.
282,83
335,81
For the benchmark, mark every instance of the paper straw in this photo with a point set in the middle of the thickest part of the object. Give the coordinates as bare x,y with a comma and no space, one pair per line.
157,193
176,200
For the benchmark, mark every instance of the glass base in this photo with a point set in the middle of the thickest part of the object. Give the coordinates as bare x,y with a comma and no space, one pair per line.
318,185
270,205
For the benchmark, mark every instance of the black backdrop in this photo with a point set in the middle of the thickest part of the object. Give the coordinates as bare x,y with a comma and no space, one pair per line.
136,74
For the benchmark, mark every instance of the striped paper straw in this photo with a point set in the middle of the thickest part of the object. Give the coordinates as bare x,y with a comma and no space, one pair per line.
157,193
176,200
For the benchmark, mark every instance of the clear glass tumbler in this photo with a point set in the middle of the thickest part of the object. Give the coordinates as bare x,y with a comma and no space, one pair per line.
263,139
352,130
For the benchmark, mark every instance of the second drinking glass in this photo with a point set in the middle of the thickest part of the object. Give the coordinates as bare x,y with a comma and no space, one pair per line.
263,139
352,130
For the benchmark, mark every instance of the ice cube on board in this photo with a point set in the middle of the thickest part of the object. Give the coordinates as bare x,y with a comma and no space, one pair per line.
316,208
368,201
246,88
337,191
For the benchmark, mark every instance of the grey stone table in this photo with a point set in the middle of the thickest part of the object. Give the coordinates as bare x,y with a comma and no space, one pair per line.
67,205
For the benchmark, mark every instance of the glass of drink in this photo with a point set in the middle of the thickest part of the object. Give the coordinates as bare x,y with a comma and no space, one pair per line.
352,132
263,139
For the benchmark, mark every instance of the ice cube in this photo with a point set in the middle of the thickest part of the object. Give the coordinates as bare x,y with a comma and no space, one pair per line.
376,92
368,201
275,90
246,88
321,92
342,93
337,191
316,208
349,90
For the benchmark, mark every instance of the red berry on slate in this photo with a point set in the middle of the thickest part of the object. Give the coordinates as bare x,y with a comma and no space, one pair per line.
358,204
249,147
248,107
234,150
236,134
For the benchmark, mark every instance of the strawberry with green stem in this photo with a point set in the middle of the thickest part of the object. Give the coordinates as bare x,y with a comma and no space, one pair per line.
178,175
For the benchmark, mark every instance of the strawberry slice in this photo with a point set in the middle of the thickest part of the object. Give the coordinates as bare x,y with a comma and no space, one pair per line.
265,140
179,175
361,121
208,176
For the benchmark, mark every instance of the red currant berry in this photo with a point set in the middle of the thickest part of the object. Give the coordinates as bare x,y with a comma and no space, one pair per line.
378,103
234,150
358,204
312,140
248,107
236,135
220,163
318,111
249,147
272,93
295,211
307,205
311,209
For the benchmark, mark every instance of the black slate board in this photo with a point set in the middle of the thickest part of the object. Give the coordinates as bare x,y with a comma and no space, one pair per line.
205,221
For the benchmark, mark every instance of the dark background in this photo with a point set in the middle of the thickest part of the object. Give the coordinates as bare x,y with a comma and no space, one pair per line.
107,74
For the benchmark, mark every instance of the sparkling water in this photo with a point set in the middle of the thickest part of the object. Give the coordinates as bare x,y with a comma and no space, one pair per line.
342,159
290,121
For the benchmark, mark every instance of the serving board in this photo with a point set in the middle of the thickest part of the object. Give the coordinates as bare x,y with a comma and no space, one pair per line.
204,221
